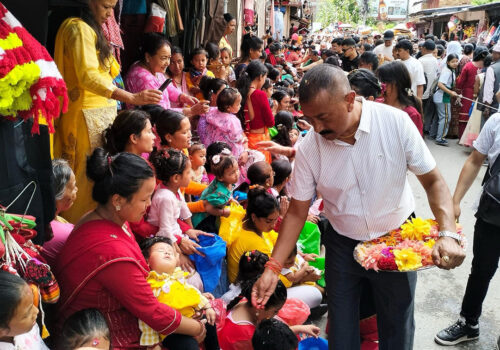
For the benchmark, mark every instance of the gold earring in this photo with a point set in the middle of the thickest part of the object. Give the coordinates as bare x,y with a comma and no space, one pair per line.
118,208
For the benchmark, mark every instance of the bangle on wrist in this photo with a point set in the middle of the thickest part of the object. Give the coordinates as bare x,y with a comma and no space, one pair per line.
274,266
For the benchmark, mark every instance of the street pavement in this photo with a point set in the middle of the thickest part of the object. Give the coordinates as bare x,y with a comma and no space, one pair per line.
439,292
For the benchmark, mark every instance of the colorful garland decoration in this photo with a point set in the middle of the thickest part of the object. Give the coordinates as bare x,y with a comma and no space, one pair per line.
407,248
30,83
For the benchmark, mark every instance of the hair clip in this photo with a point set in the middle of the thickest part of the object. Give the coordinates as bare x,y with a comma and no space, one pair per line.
226,152
409,92
216,159
110,160
383,88
95,342
251,187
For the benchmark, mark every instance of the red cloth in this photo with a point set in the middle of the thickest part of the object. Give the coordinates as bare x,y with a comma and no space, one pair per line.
235,336
102,267
292,57
271,59
263,116
416,118
465,82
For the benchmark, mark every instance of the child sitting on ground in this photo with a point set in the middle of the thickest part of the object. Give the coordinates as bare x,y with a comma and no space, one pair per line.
168,207
170,287
243,318
220,191
85,328
297,271
251,265
198,158
18,314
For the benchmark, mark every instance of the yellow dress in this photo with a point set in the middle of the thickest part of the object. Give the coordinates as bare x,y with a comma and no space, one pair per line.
91,109
225,43
248,241
191,85
174,291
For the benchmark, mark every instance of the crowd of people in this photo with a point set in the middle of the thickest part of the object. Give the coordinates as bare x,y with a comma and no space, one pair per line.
181,192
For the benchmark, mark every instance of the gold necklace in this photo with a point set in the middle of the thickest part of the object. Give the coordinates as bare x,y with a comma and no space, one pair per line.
348,136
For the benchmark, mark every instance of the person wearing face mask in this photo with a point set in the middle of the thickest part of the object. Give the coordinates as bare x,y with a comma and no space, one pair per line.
84,58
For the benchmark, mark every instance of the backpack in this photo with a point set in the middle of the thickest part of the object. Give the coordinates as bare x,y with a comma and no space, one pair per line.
489,204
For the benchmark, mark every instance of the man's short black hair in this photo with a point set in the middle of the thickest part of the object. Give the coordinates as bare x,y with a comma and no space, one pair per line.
349,42
429,45
337,41
405,45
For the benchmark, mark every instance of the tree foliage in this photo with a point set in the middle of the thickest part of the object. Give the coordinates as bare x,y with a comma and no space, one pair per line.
482,2
330,11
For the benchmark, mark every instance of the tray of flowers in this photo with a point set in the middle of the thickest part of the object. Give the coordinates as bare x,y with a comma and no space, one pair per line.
408,248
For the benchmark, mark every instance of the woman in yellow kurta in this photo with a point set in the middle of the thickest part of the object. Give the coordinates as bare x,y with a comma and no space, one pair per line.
88,67
257,232
230,27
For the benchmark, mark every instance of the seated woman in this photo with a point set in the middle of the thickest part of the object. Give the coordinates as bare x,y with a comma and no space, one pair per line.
149,73
130,132
101,265
257,234
65,190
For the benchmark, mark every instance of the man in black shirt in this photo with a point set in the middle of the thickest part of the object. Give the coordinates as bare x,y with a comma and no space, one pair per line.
350,60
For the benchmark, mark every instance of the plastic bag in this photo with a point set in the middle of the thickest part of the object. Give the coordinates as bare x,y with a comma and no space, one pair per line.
294,312
309,239
313,344
210,266
219,307
319,263
230,226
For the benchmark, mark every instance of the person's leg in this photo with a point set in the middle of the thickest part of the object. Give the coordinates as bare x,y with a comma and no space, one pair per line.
486,252
307,293
394,300
441,112
447,120
343,286
434,122
427,117
211,342
180,342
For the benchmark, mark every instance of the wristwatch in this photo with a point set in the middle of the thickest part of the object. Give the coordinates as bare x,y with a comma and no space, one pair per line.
453,235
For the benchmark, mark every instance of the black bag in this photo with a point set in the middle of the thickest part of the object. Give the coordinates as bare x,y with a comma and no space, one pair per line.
489,204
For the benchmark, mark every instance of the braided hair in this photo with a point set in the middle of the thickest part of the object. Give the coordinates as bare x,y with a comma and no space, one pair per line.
167,163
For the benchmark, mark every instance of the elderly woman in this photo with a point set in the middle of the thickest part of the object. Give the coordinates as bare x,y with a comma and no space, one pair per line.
102,267
149,73
65,190
84,58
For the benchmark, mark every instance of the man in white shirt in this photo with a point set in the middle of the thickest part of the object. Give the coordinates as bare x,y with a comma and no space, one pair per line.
385,49
486,239
357,157
430,66
415,68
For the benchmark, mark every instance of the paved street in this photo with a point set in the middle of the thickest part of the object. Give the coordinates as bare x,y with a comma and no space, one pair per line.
439,293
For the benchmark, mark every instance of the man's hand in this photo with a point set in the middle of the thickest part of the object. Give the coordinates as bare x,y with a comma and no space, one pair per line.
264,288
450,248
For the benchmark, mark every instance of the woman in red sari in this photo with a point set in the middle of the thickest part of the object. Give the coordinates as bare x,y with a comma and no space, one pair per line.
101,265
255,109
465,82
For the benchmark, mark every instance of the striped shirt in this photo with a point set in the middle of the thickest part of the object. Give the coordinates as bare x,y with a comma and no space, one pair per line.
364,186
